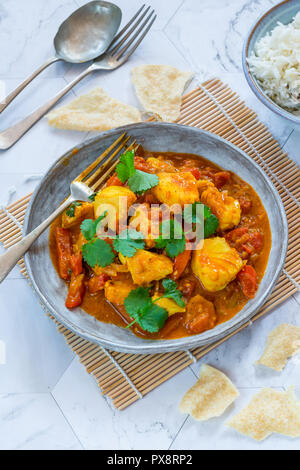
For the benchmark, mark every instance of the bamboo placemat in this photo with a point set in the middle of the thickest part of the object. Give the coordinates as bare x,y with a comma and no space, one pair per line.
212,106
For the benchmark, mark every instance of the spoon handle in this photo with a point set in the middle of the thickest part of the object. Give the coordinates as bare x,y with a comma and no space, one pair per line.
11,135
9,98
10,258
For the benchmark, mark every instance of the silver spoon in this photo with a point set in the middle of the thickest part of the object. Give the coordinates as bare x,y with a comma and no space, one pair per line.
82,37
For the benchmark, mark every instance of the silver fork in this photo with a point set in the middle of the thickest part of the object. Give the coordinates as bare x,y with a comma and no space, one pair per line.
119,51
81,188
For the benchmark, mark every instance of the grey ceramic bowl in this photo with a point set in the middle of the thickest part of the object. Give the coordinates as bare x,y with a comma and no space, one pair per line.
156,137
283,12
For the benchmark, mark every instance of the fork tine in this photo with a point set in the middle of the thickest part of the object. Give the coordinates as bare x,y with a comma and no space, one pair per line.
139,40
103,178
93,165
100,170
128,44
118,36
119,44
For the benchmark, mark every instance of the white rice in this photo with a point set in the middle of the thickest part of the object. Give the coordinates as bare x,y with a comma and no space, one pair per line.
276,63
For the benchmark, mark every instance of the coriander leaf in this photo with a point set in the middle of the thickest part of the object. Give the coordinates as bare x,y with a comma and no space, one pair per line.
141,181
152,318
71,211
140,307
172,238
89,227
192,213
125,168
137,300
128,242
207,212
172,292
92,196
98,252
211,222
210,225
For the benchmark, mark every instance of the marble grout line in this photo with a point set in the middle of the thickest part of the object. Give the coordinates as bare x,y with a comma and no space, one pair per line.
296,300
66,368
187,61
287,139
67,422
179,431
192,370
173,15
67,83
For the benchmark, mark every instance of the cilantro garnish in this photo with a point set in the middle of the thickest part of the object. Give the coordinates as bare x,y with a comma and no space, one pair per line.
125,168
171,238
142,309
92,196
89,227
211,222
71,211
138,181
128,242
96,251
142,181
172,292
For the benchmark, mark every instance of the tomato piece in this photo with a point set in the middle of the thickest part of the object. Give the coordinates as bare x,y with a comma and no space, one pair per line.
150,199
114,181
236,234
76,291
64,251
245,204
200,315
248,248
96,283
257,241
248,280
221,178
76,263
141,164
180,263
196,173
187,286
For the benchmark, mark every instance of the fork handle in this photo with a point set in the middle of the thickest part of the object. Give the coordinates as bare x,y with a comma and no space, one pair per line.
10,258
9,98
11,135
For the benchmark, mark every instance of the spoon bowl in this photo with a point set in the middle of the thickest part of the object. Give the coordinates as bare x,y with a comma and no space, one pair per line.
87,33
82,37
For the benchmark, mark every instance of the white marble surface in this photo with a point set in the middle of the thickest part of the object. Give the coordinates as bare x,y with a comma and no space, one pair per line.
46,398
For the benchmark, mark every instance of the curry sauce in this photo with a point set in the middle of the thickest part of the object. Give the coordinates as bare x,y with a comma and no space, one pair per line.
251,238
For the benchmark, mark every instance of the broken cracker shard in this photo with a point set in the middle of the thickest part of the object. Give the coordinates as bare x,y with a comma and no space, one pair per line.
93,111
270,411
282,343
159,88
211,395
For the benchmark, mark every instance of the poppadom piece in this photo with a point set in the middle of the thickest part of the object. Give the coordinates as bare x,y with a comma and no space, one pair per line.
270,411
159,89
210,396
282,343
94,111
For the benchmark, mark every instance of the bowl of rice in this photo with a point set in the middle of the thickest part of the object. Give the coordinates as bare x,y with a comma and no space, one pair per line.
271,59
